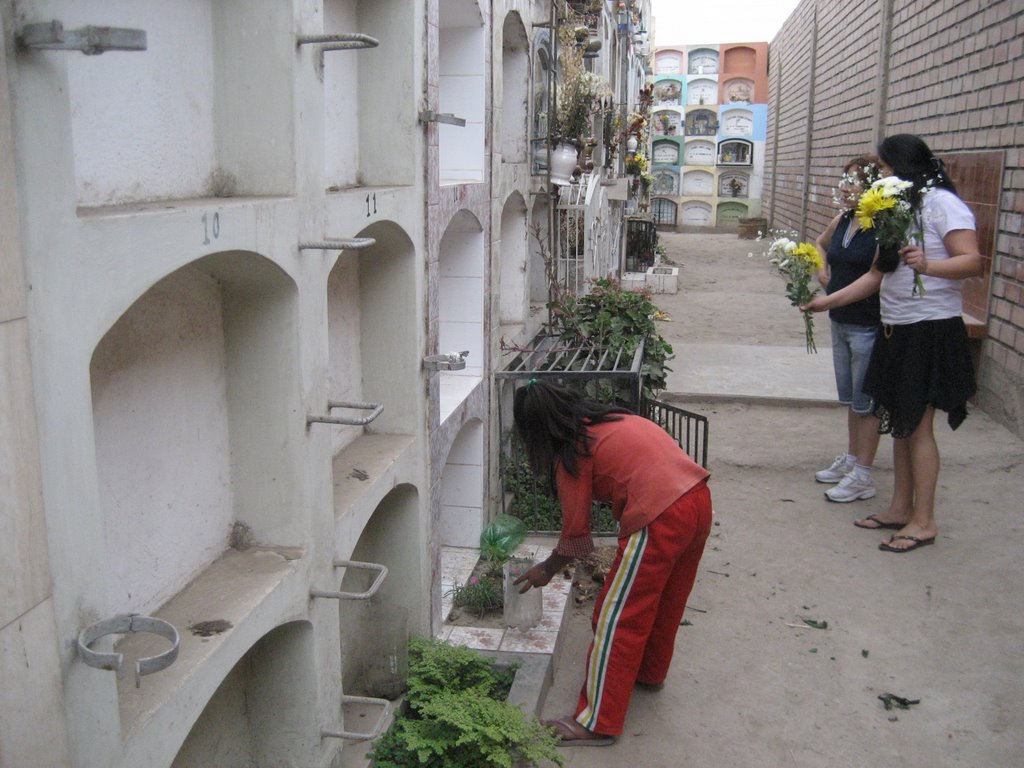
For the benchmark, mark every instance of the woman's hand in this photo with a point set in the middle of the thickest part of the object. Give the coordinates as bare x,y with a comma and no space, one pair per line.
817,304
913,257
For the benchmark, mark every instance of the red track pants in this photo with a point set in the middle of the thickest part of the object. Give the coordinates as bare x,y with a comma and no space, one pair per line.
639,609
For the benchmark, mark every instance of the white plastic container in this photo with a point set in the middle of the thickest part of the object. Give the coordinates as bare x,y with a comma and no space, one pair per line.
522,611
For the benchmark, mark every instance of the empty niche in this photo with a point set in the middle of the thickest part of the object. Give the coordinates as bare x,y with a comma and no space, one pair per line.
740,58
374,631
461,89
461,306
371,321
193,397
462,489
515,77
512,262
264,712
139,134
368,136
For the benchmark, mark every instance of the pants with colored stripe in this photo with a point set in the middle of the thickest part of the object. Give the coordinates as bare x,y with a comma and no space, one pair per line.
639,609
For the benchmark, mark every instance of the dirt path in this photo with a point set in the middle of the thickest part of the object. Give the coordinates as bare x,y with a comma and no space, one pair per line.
752,685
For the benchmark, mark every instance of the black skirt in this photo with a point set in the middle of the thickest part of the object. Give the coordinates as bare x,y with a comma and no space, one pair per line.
916,366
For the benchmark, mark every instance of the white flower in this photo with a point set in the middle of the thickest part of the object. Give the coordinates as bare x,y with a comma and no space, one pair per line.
891,186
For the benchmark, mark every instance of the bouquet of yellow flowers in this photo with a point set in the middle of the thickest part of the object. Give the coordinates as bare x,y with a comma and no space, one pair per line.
885,208
797,263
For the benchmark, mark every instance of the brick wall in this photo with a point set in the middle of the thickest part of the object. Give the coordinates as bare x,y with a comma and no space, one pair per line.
844,73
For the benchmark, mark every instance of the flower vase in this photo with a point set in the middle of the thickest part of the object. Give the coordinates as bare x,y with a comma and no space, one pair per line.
563,163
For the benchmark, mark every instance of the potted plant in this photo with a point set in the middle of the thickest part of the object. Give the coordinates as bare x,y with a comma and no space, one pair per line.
574,109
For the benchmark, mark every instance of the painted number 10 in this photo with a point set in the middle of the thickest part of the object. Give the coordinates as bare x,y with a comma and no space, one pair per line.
210,227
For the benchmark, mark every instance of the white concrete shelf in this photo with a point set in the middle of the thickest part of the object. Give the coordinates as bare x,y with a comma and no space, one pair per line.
236,588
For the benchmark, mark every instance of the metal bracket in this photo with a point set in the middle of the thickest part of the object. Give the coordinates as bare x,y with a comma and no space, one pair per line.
348,244
378,728
453,361
121,625
90,40
375,408
430,116
377,582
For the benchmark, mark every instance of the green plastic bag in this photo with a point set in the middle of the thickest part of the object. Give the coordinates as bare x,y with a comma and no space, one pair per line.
500,539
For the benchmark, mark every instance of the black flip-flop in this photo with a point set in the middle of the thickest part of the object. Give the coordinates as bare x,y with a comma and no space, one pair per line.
569,733
918,543
879,524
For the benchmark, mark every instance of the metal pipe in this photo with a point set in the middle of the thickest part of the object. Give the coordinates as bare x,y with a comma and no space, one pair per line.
378,728
350,39
377,409
348,244
374,587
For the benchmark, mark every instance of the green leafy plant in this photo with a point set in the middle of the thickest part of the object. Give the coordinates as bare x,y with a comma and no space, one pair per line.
610,316
535,506
479,594
457,716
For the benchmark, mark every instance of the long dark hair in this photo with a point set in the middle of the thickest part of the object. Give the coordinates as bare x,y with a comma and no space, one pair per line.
552,422
912,160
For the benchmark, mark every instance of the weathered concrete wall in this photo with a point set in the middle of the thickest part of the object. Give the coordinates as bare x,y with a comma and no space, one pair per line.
845,73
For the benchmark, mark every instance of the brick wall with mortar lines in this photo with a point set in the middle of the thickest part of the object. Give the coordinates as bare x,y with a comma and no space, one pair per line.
953,76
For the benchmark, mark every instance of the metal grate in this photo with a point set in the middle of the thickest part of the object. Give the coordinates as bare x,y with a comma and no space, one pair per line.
689,429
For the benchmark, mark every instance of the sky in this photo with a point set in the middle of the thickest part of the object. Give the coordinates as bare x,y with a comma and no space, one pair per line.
689,22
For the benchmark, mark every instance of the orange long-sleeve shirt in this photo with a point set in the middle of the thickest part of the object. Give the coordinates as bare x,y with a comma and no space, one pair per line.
634,464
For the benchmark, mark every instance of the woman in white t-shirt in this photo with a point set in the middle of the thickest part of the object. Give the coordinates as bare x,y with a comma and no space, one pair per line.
921,360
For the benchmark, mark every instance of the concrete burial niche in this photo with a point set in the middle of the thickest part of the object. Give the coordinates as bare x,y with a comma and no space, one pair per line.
461,306
512,277
461,90
193,397
264,711
367,141
140,134
515,80
371,316
374,631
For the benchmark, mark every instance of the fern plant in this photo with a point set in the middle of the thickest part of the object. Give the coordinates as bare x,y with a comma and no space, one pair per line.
457,716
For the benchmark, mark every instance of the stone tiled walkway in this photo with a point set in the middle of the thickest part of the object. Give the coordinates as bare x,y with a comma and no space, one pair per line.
457,565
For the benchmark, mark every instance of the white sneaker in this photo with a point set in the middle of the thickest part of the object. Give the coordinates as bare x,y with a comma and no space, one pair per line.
840,467
852,488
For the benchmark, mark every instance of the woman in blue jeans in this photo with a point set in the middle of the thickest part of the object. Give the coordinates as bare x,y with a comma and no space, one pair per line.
849,252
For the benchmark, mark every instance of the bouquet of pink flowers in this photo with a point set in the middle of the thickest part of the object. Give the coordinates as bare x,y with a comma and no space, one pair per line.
797,263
